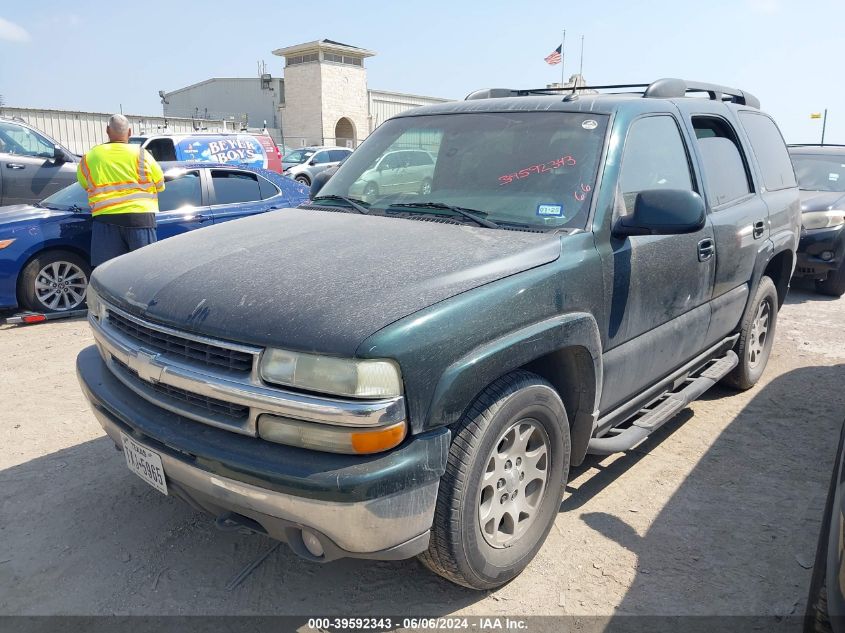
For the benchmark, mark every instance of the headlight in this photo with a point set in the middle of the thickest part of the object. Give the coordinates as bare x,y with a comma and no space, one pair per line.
337,376
95,306
823,219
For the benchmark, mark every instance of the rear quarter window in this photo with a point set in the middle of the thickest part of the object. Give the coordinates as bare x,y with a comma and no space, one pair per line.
769,149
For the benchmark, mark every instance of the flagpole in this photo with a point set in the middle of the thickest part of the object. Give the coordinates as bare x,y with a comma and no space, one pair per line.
562,59
581,63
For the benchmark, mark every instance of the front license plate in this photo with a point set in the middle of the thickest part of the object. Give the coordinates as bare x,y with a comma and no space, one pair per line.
144,463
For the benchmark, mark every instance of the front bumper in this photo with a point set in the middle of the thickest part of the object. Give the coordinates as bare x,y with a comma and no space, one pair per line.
815,242
378,506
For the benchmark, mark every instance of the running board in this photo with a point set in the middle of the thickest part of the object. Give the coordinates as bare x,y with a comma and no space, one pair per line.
649,419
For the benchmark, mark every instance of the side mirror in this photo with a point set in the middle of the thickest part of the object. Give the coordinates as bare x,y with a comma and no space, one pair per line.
59,155
318,183
663,212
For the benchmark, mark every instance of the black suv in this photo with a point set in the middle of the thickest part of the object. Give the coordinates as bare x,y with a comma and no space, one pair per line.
414,374
820,170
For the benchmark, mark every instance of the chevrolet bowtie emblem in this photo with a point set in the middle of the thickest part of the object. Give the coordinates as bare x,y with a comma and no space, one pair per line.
146,366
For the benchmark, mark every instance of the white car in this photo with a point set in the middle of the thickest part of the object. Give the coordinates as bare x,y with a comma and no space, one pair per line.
320,159
400,171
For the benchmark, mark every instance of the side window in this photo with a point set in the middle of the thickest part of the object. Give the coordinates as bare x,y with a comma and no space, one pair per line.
20,140
770,150
184,191
654,158
724,164
338,154
235,186
162,149
420,158
321,157
267,188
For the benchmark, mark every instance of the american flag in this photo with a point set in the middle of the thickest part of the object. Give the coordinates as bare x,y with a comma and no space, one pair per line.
554,57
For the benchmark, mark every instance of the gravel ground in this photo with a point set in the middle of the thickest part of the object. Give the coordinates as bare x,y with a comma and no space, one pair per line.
717,513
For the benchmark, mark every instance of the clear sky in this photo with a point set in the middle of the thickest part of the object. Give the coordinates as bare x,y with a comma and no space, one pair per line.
89,55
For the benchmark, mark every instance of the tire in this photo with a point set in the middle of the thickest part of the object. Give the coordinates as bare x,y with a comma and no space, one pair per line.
425,187
370,191
54,281
469,545
305,180
834,285
756,337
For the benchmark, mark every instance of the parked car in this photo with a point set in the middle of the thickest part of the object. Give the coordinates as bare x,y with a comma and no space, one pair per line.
323,177
401,171
44,247
820,170
415,374
32,165
320,159
297,157
825,611
241,148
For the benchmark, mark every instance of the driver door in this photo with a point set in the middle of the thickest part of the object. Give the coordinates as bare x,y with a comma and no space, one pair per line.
182,205
30,169
659,309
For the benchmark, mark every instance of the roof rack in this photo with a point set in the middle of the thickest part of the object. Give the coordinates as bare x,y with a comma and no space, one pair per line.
667,88
815,145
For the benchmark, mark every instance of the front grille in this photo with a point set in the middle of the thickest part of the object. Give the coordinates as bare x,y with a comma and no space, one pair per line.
177,346
235,411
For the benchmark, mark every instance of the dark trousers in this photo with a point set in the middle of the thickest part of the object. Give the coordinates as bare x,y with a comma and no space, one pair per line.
110,240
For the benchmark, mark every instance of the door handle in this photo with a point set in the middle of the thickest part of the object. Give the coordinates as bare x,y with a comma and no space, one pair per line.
15,166
199,217
706,249
759,229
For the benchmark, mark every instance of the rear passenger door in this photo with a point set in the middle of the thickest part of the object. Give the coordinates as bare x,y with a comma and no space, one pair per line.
659,309
239,193
739,216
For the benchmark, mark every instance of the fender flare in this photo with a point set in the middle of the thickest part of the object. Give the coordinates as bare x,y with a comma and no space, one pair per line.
462,381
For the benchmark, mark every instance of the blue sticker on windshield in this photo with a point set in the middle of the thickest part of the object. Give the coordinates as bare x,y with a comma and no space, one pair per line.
550,210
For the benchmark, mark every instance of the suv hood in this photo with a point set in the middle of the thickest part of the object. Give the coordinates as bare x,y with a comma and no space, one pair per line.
822,200
311,280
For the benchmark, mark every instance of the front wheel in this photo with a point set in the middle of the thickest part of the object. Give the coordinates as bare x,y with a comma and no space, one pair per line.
834,285
503,483
303,180
54,281
756,337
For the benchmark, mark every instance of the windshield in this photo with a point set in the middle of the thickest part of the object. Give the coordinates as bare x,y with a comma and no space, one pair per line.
298,156
67,198
136,140
528,168
820,172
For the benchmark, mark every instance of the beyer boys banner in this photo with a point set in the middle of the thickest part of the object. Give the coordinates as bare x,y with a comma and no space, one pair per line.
241,149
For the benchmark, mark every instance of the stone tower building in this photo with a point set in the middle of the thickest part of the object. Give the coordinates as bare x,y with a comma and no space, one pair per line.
326,98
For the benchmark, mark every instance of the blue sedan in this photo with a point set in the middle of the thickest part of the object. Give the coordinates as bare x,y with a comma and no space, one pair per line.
44,248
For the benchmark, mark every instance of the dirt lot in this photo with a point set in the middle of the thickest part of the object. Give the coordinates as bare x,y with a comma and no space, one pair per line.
717,513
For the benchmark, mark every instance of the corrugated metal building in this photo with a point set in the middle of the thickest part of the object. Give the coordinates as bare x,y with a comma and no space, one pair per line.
80,131
251,102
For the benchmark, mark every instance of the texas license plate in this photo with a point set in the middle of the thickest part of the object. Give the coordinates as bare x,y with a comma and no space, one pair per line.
144,463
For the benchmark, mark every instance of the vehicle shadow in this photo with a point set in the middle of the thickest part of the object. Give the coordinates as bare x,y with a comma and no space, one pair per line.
80,534
804,291
714,548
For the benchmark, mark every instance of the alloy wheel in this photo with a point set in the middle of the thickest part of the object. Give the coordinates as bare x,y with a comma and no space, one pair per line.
514,482
759,334
61,286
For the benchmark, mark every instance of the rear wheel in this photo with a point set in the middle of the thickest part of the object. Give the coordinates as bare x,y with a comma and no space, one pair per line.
503,483
834,285
756,337
54,281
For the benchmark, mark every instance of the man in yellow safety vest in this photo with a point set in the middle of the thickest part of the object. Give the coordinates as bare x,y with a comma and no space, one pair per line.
123,182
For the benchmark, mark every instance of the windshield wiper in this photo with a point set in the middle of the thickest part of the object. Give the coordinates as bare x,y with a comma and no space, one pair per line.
471,214
355,204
